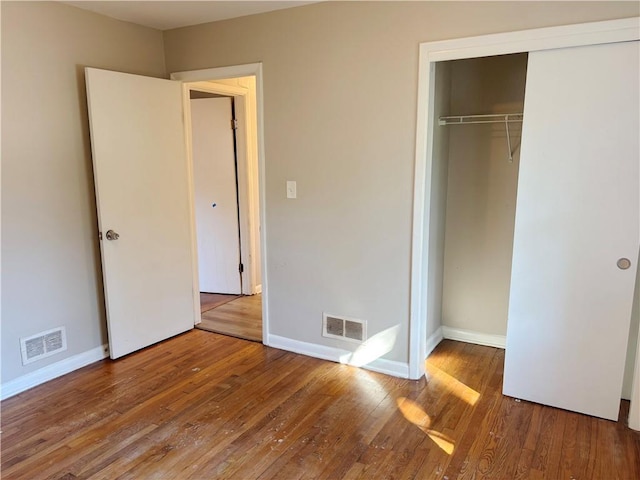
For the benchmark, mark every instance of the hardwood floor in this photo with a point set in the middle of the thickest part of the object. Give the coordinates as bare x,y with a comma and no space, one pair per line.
213,300
240,318
206,406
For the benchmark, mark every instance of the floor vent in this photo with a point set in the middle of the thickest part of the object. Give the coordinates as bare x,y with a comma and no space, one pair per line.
344,328
43,344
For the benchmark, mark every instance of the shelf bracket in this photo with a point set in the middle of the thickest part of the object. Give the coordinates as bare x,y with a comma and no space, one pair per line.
506,127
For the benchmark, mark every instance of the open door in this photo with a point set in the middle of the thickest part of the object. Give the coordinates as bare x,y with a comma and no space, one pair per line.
576,239
142,195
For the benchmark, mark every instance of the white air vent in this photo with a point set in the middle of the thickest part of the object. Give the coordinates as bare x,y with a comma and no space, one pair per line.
344,328
43,344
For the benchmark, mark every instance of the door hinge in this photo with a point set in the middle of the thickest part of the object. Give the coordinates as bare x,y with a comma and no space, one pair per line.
99,235
241,268
234,124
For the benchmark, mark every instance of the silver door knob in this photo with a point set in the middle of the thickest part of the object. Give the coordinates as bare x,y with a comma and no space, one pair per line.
111,235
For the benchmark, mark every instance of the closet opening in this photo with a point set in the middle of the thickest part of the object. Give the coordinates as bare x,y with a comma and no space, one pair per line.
477,126
479,104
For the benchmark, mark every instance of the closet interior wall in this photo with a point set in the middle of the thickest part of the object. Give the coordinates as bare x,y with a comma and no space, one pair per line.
438,199
481,193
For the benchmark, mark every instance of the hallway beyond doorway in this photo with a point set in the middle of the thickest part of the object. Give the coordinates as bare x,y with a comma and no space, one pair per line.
240,317
214,300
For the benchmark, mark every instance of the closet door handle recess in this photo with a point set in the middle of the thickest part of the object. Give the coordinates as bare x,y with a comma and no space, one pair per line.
623,263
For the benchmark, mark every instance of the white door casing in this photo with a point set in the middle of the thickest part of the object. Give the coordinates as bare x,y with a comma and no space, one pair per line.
256,168
216,206
142,193
577,213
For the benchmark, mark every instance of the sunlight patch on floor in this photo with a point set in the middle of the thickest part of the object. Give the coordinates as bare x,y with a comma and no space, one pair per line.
416,415
453,385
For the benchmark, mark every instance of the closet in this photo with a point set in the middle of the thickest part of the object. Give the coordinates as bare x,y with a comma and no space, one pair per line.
486,95
536,234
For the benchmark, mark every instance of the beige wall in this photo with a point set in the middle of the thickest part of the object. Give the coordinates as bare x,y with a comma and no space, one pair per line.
340,87
50,258
481,198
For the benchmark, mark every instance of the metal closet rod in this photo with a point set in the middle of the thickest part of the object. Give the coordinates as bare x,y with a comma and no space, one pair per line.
504,118
487,118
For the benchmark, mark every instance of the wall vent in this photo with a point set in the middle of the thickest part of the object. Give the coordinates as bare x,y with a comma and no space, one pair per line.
43,344
349,329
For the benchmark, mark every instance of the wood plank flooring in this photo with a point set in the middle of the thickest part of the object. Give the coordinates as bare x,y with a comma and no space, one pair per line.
206,406
240,318
213,300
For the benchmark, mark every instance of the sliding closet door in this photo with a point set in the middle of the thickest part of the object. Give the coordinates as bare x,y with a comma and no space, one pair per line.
576,233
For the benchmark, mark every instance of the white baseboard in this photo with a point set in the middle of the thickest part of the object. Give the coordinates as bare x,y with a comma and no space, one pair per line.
469,336
433,341
55,370
339,355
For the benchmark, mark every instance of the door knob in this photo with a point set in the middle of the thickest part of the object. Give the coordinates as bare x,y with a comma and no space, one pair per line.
111,235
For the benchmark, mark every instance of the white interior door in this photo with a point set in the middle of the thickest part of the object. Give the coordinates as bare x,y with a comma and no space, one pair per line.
140,170
216,201
577,214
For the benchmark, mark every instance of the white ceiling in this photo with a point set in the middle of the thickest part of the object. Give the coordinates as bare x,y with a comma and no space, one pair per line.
167,14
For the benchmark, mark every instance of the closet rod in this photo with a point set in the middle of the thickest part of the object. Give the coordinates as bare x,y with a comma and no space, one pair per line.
504,118
488,118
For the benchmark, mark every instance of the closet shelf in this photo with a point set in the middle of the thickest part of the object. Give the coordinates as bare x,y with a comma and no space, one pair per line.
504,118
488,118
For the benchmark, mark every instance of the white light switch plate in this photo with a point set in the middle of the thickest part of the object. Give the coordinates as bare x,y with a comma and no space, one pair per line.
291,189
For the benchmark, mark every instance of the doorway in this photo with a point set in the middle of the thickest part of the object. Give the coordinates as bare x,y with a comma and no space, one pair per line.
157,281
223,147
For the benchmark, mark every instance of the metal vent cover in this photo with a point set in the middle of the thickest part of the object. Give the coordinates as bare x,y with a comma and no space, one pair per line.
334,326
354,330
344,328
43,344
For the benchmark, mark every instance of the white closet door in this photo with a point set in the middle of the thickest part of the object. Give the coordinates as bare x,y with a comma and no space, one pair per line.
216,201
577,214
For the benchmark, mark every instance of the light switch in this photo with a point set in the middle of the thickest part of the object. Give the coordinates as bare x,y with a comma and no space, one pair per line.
291,189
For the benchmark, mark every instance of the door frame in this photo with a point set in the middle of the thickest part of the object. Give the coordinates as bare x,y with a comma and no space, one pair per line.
424,185
249,181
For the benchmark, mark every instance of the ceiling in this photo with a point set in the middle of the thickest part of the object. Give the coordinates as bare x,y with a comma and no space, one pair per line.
165,15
